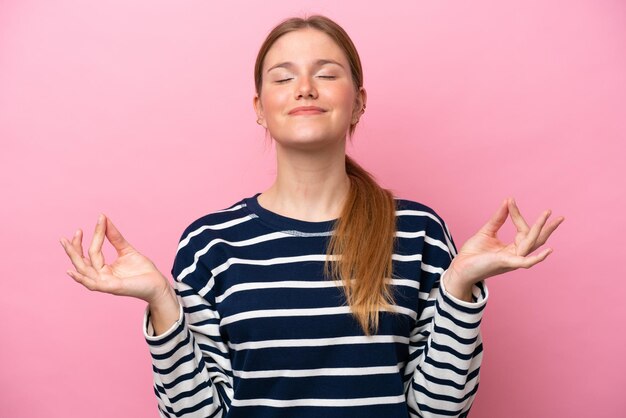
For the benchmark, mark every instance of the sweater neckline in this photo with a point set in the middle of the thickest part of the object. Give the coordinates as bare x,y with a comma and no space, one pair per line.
282,222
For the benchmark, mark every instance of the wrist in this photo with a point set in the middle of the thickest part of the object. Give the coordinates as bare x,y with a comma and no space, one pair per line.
455,287
164,311
164,296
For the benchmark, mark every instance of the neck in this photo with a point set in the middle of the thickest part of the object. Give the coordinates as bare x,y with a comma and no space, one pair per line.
310,186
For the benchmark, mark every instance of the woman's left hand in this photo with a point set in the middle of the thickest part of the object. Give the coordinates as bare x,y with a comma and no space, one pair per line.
484,255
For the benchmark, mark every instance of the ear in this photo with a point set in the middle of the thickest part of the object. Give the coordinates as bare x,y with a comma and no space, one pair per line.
258,109
359,104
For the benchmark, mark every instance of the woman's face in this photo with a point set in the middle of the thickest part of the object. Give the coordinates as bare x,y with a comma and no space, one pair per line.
307,68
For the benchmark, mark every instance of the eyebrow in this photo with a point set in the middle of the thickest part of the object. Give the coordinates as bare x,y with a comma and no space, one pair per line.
319,62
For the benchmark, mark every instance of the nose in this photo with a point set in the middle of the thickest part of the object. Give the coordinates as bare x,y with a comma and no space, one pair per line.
305,88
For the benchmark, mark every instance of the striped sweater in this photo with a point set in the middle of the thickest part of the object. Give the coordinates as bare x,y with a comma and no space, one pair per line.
262,333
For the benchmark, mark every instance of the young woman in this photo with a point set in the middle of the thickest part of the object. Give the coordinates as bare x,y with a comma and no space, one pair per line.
325,295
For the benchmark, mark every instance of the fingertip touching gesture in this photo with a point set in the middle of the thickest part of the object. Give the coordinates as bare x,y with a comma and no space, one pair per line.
484,255
131,274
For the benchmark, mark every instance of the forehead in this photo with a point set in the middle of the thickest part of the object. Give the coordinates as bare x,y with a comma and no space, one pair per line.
304,47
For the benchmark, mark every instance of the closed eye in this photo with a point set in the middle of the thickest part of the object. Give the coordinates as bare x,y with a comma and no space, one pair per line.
321,76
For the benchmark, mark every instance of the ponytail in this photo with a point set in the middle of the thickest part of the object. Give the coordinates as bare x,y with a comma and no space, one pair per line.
364,237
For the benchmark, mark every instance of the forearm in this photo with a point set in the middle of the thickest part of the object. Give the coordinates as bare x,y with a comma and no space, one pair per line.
164,311
182,381
191,364
446,372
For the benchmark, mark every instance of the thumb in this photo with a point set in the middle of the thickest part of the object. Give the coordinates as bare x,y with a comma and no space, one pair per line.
117,240
497,219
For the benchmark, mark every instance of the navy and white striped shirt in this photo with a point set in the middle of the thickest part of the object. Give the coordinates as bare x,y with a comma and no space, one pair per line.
262,333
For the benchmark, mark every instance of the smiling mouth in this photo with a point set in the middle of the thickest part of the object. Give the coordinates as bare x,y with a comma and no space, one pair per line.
307,112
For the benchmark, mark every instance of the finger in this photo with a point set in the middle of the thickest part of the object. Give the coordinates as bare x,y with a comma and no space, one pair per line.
95,249
547,231
117,240
497,220
76,259
78,246
77,242
516,217
528,261
528,243
89,283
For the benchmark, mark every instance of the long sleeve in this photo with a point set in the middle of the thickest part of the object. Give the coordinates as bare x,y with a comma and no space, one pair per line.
445,346
191,365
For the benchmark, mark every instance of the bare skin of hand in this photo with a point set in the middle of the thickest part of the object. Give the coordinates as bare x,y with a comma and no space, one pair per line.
484,255
131,274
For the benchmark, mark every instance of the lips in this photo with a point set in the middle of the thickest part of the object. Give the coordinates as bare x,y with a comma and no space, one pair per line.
306,110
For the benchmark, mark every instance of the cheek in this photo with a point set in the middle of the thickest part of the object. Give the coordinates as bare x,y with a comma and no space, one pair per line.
275,101
342,98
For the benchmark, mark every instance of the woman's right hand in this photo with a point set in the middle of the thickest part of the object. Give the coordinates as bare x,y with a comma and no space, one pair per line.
132,274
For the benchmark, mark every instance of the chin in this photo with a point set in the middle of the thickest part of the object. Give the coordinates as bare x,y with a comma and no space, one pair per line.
305,140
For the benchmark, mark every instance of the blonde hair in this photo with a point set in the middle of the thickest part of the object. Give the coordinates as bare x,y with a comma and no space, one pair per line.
365,231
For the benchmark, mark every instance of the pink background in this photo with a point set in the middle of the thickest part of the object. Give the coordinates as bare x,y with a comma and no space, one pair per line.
143,110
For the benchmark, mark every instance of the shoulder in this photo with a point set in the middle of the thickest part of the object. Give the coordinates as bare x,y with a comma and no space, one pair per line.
416,217
214,223
412,211
200,246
